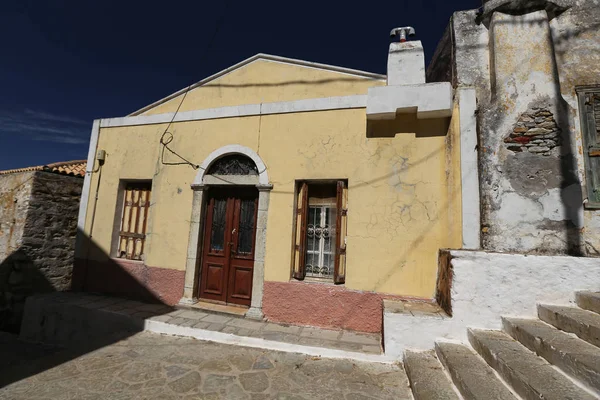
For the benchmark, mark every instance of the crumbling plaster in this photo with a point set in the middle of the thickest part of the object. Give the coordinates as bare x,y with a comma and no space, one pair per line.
532,201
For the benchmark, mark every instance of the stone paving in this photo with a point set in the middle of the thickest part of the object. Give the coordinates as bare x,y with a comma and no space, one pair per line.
334,339
153,366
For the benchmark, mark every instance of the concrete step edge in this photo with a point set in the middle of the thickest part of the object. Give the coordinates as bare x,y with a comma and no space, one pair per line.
427,377
588,300
585,324
255,342
530,376
481,382
573,356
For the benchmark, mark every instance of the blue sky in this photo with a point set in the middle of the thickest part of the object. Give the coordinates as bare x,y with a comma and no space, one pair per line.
67,62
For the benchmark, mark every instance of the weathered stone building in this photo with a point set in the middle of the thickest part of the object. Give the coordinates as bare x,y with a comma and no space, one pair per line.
535,66
38,225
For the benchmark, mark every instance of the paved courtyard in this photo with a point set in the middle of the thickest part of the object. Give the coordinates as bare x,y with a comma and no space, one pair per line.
153,366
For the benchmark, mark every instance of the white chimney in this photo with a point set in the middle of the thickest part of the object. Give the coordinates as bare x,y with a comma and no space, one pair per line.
406,63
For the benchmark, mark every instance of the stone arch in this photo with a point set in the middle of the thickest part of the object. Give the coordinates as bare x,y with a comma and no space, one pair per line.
263,176
204,180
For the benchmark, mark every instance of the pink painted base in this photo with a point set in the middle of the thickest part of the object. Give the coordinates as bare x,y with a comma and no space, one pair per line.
129,279
325,306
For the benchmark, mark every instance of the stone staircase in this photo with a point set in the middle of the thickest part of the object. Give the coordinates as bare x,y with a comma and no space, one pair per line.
554,357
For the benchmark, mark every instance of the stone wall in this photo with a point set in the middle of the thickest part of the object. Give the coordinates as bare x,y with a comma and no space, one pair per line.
37,240
15,192
525,62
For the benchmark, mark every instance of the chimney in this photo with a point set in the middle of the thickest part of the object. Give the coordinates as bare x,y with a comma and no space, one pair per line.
406,61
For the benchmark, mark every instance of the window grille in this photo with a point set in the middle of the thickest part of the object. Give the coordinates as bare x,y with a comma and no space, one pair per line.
320,244
234,164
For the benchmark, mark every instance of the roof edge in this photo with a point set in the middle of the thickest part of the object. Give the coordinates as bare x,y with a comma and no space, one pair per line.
261,56
52,167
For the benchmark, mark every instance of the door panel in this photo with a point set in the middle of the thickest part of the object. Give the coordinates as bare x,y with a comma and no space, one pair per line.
228,257
214,279
242,283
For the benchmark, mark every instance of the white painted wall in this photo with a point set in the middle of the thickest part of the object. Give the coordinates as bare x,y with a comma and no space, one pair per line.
469,170
427,100
487,286
406,63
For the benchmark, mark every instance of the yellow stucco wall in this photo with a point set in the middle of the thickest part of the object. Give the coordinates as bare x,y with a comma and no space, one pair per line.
266,81
403,197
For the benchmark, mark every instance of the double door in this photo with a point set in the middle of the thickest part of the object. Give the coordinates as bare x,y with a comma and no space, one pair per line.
229,238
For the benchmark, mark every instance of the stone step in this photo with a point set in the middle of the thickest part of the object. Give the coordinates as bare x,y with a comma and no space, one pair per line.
472,376
574,356
426,376
530,376
585,324
588,301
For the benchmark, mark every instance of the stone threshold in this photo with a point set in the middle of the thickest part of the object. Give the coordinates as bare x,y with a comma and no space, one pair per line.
213,307
223,328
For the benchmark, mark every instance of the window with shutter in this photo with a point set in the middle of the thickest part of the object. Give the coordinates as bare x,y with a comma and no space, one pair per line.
589,106
132,234
320,231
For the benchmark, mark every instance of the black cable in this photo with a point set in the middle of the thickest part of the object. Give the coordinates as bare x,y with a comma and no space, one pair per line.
166,147
170,139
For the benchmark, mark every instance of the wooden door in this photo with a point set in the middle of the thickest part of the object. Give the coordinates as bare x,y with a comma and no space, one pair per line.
229,237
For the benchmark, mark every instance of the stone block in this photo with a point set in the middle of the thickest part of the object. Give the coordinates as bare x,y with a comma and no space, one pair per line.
360,338
574,356
426,376
585,324
470,374
529,375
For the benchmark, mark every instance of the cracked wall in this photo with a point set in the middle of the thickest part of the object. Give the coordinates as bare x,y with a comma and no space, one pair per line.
402,204
525,68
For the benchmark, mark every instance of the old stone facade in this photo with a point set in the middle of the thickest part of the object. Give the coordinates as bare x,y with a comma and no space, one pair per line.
38,225
527,60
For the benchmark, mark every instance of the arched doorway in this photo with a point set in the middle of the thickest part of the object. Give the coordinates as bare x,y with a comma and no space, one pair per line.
227,231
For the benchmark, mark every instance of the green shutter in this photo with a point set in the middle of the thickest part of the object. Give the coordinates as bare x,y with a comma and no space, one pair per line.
589,105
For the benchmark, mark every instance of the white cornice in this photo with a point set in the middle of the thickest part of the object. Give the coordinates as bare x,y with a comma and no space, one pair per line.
248,110
268,57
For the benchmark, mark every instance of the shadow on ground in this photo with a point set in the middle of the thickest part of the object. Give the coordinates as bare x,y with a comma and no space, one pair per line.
41,328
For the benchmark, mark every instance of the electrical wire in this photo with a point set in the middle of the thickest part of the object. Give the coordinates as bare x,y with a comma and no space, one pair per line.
165,142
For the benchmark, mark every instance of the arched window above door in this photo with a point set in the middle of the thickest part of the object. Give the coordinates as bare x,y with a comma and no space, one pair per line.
233,164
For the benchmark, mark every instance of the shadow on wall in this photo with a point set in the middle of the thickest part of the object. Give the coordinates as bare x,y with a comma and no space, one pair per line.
124,278
61,319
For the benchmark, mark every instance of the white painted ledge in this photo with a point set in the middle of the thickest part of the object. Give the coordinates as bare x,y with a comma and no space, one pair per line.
487,286
428,100
247,110
228,338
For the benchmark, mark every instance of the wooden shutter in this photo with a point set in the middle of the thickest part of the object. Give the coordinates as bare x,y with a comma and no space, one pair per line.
339,275
300,236
590,109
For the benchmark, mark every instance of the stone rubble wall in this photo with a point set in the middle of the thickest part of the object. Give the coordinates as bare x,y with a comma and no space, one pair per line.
536,131
15,192
51,226
38,220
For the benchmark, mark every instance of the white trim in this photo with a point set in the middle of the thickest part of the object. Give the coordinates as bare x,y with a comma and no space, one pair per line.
427,100
85,191
259,343
267,57
469,169
247,110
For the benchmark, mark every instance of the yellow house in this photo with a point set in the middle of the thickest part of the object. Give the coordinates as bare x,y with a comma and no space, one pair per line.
280,186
